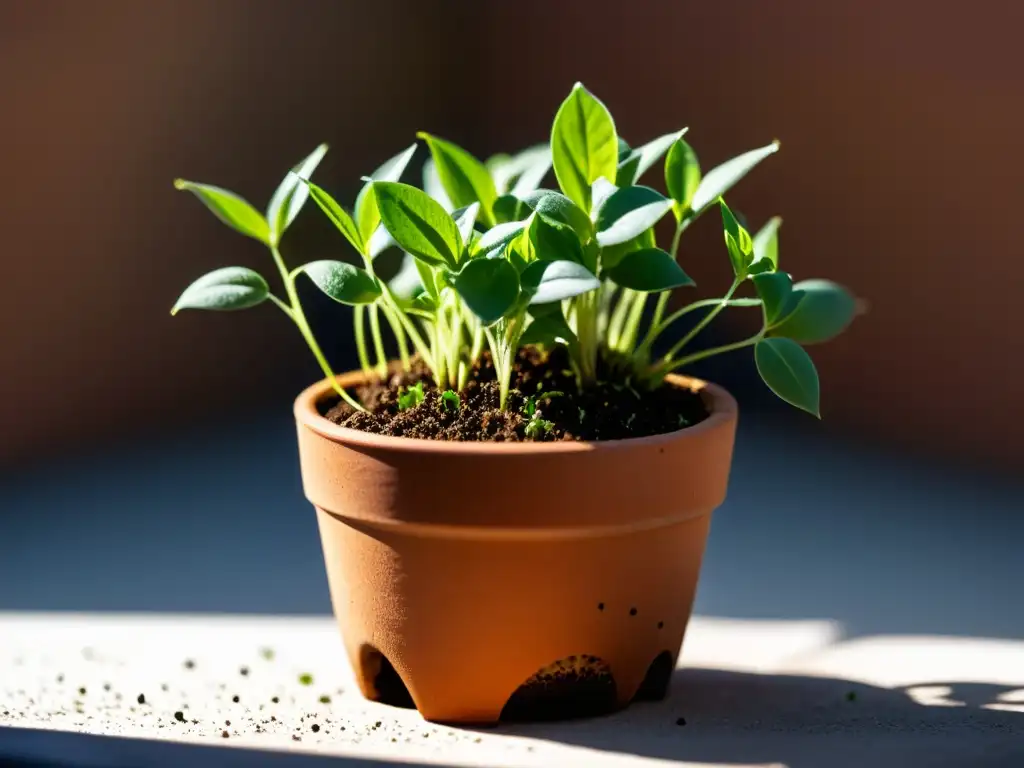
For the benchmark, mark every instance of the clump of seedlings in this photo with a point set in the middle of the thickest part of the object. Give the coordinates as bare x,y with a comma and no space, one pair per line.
495,264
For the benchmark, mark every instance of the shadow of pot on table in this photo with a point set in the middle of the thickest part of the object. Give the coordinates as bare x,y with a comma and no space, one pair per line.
716,716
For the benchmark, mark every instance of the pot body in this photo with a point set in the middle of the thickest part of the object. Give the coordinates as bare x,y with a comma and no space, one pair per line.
540,579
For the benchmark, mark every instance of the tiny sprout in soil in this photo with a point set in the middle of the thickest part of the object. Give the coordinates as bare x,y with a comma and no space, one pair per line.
495,261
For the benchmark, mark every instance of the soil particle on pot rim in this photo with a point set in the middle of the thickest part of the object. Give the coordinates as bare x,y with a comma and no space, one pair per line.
611,409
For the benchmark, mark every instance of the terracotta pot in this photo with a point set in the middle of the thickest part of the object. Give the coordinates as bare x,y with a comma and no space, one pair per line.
542,579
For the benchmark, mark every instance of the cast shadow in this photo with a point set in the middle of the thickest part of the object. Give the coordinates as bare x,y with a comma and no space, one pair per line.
721,717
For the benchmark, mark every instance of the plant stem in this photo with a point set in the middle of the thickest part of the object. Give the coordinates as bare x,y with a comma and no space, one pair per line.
358,319
299,318
632,327
618,318
667,366
586,331
378,342
722,304
399,332
663,299
654,332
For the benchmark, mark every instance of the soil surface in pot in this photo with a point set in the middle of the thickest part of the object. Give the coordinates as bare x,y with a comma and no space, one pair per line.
610,410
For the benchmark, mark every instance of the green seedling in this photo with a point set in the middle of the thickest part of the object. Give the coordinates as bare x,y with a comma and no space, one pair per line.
411,397
494,258
537,427
450,401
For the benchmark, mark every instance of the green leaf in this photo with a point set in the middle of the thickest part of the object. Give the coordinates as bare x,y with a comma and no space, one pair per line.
548,328
628,212
499,236
789,372
523,172
818,310
224,289
600,191
642,158
649,269
720,179
766,243
612,255
450,401
342,282
584,146
627,171
774,288
509,208
230,209
682,175
465,179
560,209
490,288
737,241
432,185
338,215
554,242
418,223
465,220
549,281
291,194
366,214
412,396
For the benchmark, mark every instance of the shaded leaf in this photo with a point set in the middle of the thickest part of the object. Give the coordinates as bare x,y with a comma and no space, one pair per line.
766,243
817,310
548,328
509,208
789,372
465,220
554,242
682,175
489,287
559,208
650,270
774,288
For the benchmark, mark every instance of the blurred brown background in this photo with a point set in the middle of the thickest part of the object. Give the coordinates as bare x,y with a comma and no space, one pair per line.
900,176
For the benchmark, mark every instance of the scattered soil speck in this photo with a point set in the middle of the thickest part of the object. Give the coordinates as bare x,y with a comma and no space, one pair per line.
305,679
142,698
106,686
224,734
164,687
189,664
243,671
296,737
227,722
600,606
179,716
235,699
276,700
60,678
632,611
81,691
267,653
315,728
681,721
661,625
851,695
325,699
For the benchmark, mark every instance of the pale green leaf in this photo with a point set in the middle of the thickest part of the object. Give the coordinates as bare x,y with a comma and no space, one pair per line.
291,194
223,289
584,146
231,209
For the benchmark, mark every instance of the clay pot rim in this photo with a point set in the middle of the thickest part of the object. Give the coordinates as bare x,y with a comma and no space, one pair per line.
721,404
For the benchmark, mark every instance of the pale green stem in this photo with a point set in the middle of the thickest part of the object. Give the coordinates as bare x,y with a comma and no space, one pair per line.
645,346
399,332
586,331
299,318
358,320
618,318
722,304
632,328
378,342
663,299
668,367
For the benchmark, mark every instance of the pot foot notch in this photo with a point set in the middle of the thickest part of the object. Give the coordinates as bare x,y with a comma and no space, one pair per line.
576,686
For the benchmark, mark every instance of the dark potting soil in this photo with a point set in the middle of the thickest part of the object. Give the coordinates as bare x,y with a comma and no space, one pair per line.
610,410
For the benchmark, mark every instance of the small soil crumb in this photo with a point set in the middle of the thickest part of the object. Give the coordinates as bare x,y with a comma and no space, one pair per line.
851,695
179,716
142,698
306,679
612,409
681,721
